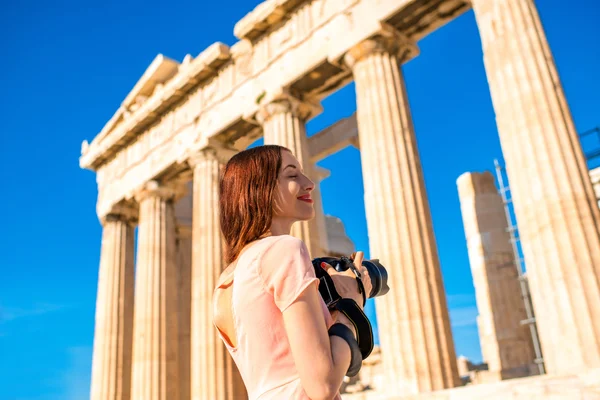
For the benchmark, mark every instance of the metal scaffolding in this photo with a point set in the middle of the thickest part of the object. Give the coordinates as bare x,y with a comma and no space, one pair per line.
592,154
525,294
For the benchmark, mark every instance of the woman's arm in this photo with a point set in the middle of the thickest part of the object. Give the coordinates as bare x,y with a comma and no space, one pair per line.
321,360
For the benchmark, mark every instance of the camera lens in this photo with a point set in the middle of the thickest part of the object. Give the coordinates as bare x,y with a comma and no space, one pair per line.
379,277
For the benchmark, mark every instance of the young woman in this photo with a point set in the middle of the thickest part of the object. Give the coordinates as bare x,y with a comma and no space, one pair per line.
267,307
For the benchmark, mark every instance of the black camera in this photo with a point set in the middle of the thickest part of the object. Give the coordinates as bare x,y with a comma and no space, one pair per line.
377,272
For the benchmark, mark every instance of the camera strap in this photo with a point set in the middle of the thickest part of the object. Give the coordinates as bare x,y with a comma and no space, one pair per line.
345,333
327,291
358,275
364,330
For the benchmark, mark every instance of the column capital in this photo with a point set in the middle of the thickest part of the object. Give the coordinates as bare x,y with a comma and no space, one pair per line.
166,191
282,101
387,40
209,149
121,212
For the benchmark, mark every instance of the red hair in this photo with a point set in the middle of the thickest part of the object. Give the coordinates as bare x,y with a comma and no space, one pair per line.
246,191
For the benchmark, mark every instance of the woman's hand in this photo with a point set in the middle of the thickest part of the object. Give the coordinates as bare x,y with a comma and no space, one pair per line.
364,272
345,282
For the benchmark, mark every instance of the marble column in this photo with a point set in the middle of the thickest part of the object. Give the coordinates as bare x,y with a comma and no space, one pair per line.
554,202
183,214
111,365
318,175
214,375
155,349
414,327
284,123
506,344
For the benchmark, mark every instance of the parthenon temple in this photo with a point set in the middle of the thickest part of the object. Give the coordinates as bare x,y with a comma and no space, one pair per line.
158,158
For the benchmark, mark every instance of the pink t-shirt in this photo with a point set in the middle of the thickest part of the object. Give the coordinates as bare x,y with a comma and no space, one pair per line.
260,294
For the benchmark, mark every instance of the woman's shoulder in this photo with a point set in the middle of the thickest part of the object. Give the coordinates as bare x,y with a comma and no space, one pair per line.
286,241
273,251
286,270
283,246
284,249
271,244
268,248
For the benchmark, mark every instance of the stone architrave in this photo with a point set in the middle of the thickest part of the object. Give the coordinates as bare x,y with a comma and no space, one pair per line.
414,326
284,123
155,347
506,344
111,366
214,374
554,202
183,214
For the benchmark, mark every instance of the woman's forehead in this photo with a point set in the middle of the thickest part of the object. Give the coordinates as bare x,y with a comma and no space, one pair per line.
287,155
288,158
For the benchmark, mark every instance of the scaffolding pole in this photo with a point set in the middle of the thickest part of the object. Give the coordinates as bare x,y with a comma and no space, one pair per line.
524,285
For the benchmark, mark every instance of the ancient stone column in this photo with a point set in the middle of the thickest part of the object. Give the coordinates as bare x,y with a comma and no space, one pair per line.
318,174
155,349
111,366
283,120
554,201
214,374
183,214
506,344
414,327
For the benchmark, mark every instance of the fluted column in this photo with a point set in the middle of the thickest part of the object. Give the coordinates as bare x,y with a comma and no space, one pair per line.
111,366
554,201
414,327
214,374
155,361
318,175
284,123
506,344
183,214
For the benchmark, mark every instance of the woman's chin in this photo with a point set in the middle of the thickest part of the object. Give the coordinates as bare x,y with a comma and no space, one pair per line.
307,216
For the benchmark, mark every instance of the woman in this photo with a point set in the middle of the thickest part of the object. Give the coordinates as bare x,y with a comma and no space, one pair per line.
267,308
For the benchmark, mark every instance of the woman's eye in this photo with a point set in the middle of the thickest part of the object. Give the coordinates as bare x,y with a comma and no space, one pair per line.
293,176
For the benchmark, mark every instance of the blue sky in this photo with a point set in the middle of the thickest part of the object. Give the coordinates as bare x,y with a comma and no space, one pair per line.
66,67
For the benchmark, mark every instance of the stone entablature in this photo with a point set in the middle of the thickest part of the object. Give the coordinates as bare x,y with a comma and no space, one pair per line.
219,92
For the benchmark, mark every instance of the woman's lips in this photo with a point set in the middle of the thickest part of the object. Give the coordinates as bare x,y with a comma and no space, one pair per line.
306,199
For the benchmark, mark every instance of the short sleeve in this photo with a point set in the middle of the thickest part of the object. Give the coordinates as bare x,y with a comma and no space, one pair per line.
286,270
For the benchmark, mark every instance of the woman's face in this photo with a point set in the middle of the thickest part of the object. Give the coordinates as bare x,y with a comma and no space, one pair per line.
293,199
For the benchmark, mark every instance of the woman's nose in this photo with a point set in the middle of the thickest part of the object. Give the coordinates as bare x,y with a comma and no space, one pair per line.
310,185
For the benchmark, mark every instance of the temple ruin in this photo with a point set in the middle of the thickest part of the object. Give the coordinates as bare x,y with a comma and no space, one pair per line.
157,161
